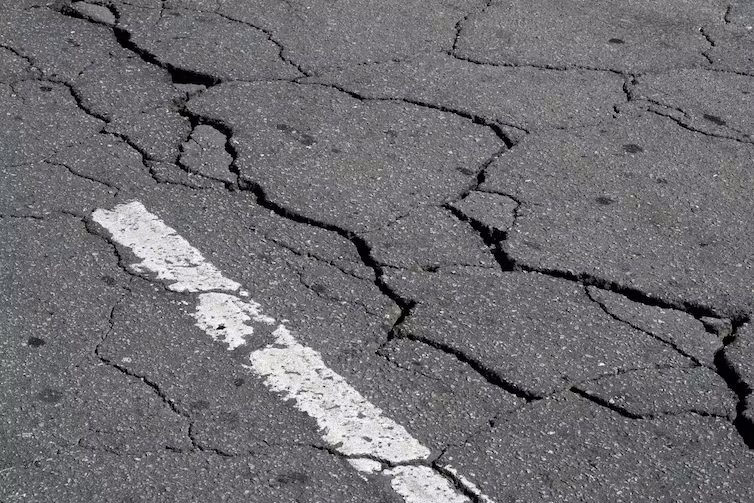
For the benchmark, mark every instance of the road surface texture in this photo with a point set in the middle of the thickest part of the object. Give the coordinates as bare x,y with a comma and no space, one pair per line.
377,251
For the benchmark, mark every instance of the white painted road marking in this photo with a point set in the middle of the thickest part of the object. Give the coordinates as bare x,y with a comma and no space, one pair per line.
162,250
224,317
350,424
348,419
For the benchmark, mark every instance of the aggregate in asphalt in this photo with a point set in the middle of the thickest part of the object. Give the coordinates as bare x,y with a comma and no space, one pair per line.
519,229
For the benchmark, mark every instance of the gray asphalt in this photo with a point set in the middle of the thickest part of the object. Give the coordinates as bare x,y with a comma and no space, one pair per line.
522,229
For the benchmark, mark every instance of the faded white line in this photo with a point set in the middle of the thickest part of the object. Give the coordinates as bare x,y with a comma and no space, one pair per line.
349,420
350,424
421,484
162,250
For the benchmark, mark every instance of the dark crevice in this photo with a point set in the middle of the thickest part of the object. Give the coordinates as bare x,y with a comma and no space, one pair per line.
330,298
489,375
198,446
585,279
124,370
93,228
156,389
362,248
630,81
305,254
458,28
23,217
604,403
386,463
123,37
490,236
710,41
493,238
707,37
631,415
743,390
177,74
462,485
727,13
26,58
185,76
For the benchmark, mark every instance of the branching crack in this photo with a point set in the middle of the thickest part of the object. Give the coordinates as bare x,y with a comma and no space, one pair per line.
85,177
683,121
488,374
742,389
458,28
662,340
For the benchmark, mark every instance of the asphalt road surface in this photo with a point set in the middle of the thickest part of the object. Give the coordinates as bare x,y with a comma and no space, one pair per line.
421,251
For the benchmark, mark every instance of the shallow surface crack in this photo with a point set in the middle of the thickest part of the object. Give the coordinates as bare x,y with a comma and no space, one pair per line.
662,340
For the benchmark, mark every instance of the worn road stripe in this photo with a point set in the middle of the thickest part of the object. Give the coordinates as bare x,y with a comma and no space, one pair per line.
162,251
350,424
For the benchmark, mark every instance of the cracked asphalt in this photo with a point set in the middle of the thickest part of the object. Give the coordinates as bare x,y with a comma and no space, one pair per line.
521,229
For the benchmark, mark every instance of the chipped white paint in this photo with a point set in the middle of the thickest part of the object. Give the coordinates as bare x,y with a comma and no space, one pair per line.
162,250
349,422
421,484
366,465
468,485
224,317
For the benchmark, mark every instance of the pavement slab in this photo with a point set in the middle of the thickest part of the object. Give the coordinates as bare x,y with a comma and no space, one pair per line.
539,454
108,160
526,98
134,98
636,204
642,36
677,328
199,381
672,391
59,284
69,46
204,153
318,37
36,190
45,119
342,161
439,405
80,475
191,41
429,238
733,48
532,334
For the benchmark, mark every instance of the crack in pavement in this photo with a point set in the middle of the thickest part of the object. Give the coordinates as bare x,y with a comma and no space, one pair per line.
362,247
663,340
491,237
661,109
